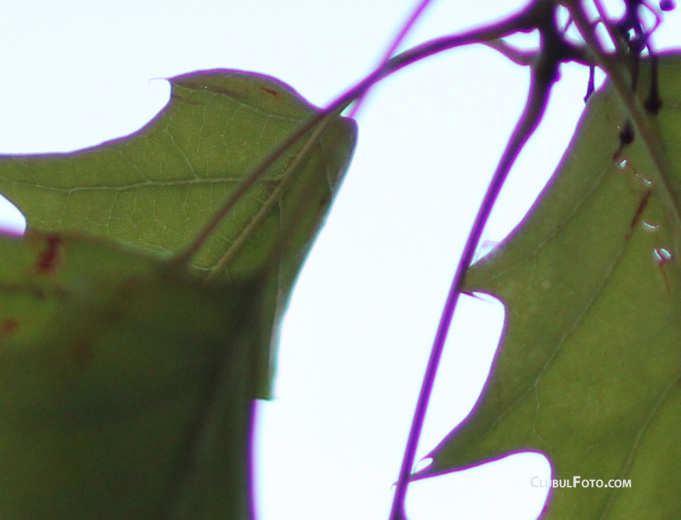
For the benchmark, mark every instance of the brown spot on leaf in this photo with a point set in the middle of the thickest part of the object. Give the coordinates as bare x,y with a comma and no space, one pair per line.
663,256
641,208
48,260
269,91
8,327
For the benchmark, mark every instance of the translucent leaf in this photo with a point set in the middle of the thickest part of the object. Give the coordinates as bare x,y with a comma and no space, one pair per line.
156,188
124,385
590,364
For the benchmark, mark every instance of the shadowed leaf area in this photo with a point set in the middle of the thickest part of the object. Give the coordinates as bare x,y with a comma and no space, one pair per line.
126,380
124,385
589,369
156,188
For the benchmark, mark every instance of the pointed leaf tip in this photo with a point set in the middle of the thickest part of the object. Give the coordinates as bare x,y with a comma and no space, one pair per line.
157,188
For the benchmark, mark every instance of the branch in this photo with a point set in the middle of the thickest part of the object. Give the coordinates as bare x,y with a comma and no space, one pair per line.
621,80
516,55
522,21
544,74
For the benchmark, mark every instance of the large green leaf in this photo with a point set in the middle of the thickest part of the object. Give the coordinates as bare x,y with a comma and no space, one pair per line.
156,188
124,388
589,371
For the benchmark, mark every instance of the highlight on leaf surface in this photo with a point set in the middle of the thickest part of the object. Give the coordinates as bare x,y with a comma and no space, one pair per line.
124,385
589,367
156,188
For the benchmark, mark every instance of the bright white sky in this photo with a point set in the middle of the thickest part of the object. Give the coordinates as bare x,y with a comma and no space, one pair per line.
358,331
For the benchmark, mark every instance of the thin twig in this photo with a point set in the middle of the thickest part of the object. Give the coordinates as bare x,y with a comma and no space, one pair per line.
516,55
520,22
544,74
394,45
621,80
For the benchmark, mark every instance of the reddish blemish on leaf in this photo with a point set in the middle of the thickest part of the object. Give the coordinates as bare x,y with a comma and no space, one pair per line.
48,260
8,326
662,256
639,211
270,91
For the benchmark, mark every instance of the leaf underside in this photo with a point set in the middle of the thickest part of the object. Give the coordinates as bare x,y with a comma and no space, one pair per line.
589,370
123,385
126,380
156,188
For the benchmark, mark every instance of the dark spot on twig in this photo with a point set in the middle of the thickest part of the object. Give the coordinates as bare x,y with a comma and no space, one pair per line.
626,136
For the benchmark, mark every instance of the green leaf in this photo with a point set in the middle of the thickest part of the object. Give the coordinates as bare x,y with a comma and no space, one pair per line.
589,371
156,188
124,387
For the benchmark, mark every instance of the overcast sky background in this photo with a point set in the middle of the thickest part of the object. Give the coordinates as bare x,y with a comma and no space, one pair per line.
358,331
